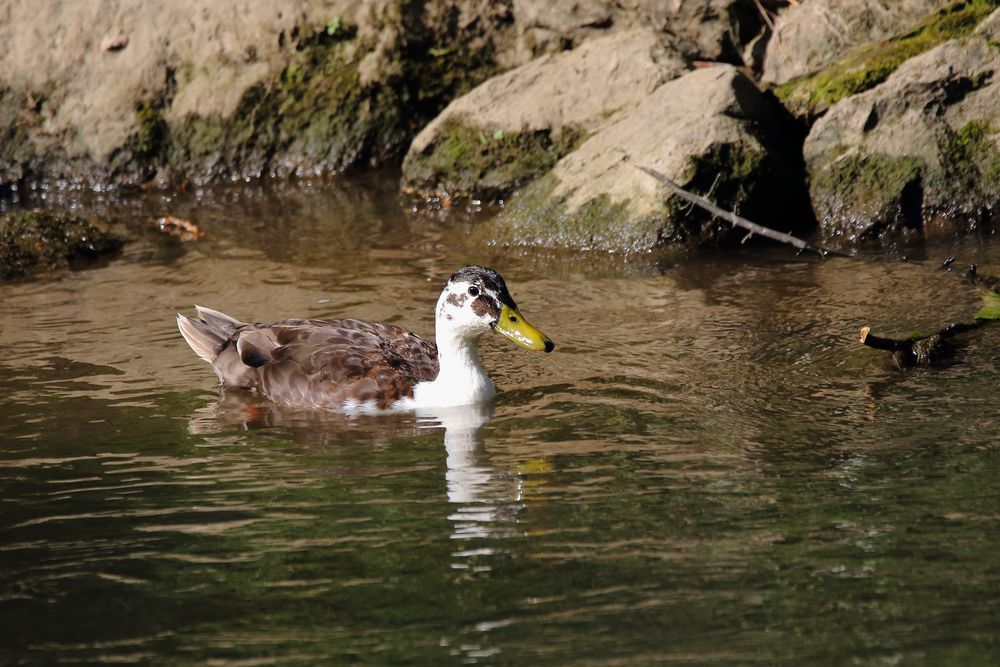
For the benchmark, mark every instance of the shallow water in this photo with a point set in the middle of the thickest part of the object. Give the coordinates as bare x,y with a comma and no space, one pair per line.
708,470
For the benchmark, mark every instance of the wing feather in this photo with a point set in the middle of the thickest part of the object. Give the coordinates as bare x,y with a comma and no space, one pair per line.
327,363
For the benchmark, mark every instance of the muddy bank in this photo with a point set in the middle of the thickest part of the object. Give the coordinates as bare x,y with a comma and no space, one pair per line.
545,105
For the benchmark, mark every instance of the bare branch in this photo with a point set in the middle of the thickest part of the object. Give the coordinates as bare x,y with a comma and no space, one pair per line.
738,221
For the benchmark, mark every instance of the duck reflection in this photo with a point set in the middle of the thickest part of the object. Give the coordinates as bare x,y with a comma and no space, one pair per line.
484,500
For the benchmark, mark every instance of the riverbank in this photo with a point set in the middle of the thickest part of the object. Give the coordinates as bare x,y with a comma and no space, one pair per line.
837,117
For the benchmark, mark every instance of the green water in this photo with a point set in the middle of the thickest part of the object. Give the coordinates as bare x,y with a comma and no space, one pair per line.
708,470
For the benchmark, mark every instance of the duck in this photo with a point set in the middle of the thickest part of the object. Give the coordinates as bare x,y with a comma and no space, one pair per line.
359,366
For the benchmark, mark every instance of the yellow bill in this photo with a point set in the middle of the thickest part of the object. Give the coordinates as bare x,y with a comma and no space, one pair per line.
515,327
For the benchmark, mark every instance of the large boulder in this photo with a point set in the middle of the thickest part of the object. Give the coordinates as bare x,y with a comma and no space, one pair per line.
860,59
916,155
517,125
709,130
809,35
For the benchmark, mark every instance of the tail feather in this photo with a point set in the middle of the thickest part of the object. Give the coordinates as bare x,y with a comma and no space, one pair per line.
205,342
218,321
208,334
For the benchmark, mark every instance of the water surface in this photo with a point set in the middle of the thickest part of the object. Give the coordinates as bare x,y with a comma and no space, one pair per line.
708,470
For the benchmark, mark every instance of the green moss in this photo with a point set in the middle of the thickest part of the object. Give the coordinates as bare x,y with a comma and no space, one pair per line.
540,218
863,197
968,181
487,163
318,116
152,137
742,177
867,66
41,241
991,307
871,178
975,145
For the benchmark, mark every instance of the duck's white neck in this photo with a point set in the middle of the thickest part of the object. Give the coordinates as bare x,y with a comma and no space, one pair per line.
461,380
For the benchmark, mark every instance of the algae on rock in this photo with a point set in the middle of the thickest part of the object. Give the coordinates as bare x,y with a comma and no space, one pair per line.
868,65
469,162
38,241
516,126
876,187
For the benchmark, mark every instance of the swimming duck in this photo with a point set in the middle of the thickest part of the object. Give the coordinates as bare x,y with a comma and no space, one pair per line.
353,365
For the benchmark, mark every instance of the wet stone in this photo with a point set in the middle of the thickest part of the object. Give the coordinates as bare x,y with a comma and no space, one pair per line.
38,241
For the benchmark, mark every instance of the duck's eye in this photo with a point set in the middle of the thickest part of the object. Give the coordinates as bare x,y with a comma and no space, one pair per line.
473,291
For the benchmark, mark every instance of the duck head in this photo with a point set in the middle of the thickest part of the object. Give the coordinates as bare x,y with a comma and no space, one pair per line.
475,301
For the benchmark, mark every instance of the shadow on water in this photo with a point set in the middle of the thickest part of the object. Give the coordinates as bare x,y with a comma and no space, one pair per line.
709,469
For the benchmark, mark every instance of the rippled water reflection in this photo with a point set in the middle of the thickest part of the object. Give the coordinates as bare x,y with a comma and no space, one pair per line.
709,469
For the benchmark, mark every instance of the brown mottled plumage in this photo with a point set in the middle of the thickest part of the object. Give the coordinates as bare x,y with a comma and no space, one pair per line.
351,364
320,363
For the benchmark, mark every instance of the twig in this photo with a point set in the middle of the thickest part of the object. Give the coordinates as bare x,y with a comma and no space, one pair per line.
906,352
763,13
738,221
919,350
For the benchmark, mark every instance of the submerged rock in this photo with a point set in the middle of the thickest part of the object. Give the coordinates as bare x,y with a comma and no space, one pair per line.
709,130
517,125
39,241
916,155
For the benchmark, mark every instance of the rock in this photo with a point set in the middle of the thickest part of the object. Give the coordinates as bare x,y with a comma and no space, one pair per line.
990,28
865,66
813,34
712,30
915,155
710,129
39,241
228,89
517,125
101,93
715,30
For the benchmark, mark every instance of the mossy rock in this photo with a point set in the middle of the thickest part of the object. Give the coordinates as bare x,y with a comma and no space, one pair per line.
867,66
736,177
917,157
968,183
488,164
711,131
40,241
541,218
320,116
868,197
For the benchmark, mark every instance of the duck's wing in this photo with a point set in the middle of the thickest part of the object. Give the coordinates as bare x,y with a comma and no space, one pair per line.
330,363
